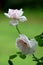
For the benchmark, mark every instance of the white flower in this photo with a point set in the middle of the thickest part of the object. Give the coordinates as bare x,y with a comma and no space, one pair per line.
25,45
16,16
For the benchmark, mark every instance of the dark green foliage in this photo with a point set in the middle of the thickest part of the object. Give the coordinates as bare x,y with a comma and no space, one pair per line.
13,56
19,53
10,62
22,56
41,58
39,61
39,38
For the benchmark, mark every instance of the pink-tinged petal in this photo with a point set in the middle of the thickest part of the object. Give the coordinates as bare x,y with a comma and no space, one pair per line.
10,11
25,39
18,13
14,22
25,45
23,18
15,13
22,45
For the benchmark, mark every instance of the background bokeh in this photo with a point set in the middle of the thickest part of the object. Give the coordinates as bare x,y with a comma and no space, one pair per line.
5,4
33,28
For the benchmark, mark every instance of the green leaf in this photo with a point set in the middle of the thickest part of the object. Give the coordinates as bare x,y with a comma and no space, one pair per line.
39,38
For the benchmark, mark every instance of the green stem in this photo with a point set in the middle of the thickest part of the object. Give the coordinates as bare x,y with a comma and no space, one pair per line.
18,29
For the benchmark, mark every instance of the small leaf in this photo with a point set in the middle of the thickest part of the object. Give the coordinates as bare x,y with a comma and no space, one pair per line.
40,63
10,62
39,38
22,56
41,58
19,53
12,56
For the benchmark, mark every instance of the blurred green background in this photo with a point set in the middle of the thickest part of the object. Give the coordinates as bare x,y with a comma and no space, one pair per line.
33,10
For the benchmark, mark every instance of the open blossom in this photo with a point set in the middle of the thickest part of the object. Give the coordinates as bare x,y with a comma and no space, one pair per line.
25,45
16,16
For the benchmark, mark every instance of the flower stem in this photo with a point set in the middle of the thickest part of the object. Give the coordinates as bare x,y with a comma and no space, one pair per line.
18,29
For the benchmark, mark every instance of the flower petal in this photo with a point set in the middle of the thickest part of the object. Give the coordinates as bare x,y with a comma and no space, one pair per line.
18,12
22,45
25,39
10,11
21,9
21,12
6,14
25,45
15,13
14,22
34,44
22,18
